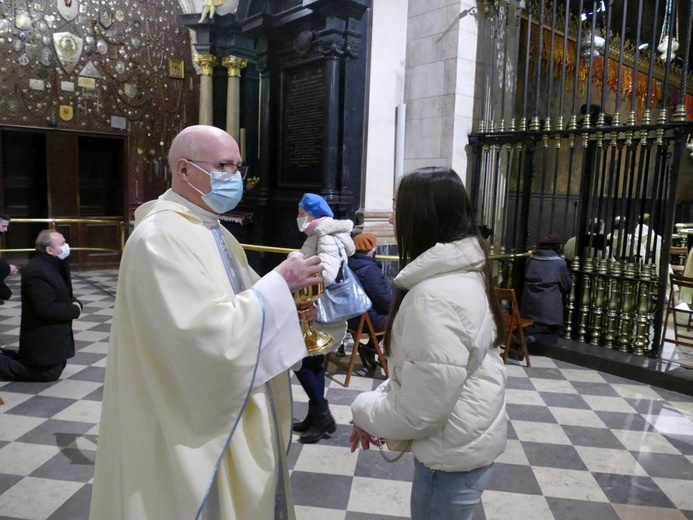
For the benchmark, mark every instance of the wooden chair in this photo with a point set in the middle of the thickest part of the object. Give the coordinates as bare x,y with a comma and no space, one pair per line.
679,254
513,323
364,323
678,306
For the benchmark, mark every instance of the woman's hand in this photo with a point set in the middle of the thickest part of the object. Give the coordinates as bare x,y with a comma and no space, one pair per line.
360,436
310,311
311,314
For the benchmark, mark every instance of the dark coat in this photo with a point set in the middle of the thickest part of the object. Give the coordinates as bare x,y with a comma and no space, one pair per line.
370,273
5,292
45,335
546,280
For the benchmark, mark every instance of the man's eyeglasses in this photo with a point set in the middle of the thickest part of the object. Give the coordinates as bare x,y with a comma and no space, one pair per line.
225,167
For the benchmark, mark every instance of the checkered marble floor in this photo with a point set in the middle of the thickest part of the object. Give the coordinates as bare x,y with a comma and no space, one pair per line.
582,444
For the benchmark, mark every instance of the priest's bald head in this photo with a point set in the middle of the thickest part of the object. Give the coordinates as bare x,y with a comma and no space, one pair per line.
204,162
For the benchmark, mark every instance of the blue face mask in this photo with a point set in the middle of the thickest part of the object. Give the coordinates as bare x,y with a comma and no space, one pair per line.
226,193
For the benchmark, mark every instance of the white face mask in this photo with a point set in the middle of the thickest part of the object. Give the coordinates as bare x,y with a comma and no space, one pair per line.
65,251
302,223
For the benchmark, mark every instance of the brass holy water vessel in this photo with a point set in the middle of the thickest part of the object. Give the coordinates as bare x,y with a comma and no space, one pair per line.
317,342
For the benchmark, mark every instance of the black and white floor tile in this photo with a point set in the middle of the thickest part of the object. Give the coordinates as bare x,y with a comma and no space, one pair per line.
582,444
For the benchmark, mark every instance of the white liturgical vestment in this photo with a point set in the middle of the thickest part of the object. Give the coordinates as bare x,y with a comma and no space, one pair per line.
196,414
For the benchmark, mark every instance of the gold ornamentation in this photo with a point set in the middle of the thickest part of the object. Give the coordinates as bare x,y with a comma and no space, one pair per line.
176,68
613,298
66,112
641,312
661,120
625,324
570,307
585,300
207,62
251,182
598,302
234,65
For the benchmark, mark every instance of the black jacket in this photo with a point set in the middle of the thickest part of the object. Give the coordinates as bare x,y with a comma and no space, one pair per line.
5,292
45,335
370,273
547,279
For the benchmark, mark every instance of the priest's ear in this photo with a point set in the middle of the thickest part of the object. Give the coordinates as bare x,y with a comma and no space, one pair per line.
182,167
180,177
183,171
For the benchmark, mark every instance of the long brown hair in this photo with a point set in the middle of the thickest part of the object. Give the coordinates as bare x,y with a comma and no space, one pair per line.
432,206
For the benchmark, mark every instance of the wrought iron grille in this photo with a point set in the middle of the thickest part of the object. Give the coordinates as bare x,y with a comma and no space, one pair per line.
584,121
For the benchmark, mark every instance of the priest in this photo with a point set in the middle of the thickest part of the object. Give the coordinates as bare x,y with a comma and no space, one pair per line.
196,415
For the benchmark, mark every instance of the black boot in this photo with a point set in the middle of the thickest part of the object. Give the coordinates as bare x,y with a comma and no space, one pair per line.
305,424
323,425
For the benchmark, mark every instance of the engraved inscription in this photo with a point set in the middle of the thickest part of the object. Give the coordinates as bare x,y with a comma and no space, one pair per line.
304,119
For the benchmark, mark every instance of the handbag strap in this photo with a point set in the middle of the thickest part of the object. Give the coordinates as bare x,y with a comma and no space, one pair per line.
340,273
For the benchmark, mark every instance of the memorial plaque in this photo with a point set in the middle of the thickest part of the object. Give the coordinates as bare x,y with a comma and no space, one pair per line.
303,124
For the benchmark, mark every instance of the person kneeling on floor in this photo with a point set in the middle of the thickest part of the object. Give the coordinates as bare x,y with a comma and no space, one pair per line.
46,341
547,279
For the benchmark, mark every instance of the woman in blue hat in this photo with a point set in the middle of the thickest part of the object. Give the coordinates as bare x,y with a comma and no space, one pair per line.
330,239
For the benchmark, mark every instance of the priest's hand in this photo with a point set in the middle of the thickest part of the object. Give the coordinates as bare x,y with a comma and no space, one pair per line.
299,271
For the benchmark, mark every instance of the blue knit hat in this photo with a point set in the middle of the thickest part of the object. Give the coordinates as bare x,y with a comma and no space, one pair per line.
315,206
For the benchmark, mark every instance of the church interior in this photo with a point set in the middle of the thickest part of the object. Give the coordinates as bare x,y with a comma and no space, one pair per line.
562,117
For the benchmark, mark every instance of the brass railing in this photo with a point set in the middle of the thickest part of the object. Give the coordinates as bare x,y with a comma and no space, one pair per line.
385,258
52,223
122,225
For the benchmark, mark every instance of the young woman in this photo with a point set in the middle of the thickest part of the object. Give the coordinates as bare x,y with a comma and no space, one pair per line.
330,239
446,391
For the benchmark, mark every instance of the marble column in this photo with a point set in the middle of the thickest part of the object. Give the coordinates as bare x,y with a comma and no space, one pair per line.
386,87
207,62
234,65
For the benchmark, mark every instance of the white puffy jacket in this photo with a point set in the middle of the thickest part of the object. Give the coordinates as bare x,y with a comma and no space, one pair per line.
324,242
447,384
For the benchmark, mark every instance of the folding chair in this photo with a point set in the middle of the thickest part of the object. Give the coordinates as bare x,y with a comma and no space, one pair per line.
513,322
364,322
680,304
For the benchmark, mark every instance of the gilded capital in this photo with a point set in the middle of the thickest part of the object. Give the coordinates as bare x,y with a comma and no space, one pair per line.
207,62
234,64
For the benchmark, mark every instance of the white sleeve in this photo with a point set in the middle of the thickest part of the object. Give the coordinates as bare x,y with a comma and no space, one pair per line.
430,381
281,343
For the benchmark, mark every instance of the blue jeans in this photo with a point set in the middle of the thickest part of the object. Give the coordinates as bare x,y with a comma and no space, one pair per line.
443,495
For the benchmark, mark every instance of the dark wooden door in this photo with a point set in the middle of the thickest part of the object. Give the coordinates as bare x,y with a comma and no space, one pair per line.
64,175
25,191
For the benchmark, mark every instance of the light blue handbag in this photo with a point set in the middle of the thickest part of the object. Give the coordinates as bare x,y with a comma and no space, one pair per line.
344,298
